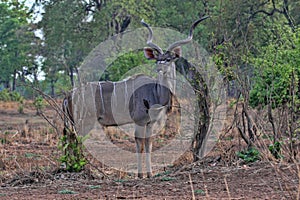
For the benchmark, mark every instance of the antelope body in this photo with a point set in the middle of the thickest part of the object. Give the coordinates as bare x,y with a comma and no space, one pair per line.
141,99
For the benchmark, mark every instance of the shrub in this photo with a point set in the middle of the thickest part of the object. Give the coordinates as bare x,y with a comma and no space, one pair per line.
275,149
39,104
250,155
72,158
6,95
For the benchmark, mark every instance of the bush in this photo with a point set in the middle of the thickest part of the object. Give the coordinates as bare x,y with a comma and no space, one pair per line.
250,155
275,149
39,104
72,159
6,95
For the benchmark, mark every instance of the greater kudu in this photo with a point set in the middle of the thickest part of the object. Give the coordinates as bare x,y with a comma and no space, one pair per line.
139,99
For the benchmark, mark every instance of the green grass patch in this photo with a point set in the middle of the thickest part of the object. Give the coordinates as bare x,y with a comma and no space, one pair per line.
92,187
31,155
3,140
249,155
66,191
167,179
162,174
121,180
229,138
199,191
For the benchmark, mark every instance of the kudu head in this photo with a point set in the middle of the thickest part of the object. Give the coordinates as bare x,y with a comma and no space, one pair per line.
165,60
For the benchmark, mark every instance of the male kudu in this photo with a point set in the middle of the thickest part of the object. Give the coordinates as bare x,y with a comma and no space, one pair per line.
140,99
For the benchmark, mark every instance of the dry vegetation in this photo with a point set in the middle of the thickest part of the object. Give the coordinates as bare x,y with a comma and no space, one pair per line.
30,168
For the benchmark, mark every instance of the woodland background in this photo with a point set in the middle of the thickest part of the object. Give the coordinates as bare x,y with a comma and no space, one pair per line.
255,45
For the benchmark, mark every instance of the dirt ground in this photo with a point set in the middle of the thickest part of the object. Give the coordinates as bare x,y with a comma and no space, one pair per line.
29,169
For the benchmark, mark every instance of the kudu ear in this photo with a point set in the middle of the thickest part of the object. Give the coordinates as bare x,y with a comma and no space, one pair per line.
150,53
177,51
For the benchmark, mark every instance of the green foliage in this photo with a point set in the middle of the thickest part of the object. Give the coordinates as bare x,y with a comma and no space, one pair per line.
31,155
166,178
66,37
3,140
137,10
275,149
72,158
277,70
199,191
16,40
231,34
66,191
179,15
6,95
92,187
163,174
124,63
39,104
15,96
223,61
121,180
232,103
249,155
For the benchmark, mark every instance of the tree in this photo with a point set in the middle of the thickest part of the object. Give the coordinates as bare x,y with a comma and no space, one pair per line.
70,34
61,28
15,42
277,81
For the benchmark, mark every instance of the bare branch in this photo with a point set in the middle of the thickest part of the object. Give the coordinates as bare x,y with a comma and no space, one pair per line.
283,10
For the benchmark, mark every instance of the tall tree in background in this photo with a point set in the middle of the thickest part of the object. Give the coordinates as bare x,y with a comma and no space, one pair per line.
73,28
16,36
62,24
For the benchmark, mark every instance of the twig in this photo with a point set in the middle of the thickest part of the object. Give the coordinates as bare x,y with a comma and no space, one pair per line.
49,122
49,100
227,188
18,165
205,187
192,188
15,134
234,115
298,194
51,161
99,170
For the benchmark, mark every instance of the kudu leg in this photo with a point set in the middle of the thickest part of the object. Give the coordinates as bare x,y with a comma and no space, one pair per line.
148,150
140,142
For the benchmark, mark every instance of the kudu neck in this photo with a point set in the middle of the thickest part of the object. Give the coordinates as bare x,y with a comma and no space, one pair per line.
167,77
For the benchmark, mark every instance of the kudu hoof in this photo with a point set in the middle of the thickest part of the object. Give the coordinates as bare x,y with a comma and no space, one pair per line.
149,175
140,175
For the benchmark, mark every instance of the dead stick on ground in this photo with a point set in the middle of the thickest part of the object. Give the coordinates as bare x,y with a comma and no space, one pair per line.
205,187
192,188
227,188
99,170
298,169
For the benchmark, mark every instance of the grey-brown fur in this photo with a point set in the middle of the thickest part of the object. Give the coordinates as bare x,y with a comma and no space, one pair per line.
140,99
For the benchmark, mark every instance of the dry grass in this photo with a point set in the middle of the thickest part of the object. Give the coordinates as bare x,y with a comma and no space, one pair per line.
31,148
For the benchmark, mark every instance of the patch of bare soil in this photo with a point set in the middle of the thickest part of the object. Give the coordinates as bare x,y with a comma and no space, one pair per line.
29,169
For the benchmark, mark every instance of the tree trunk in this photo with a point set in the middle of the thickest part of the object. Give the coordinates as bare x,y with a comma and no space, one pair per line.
52,88
199,141
72,76
14,81
202,115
